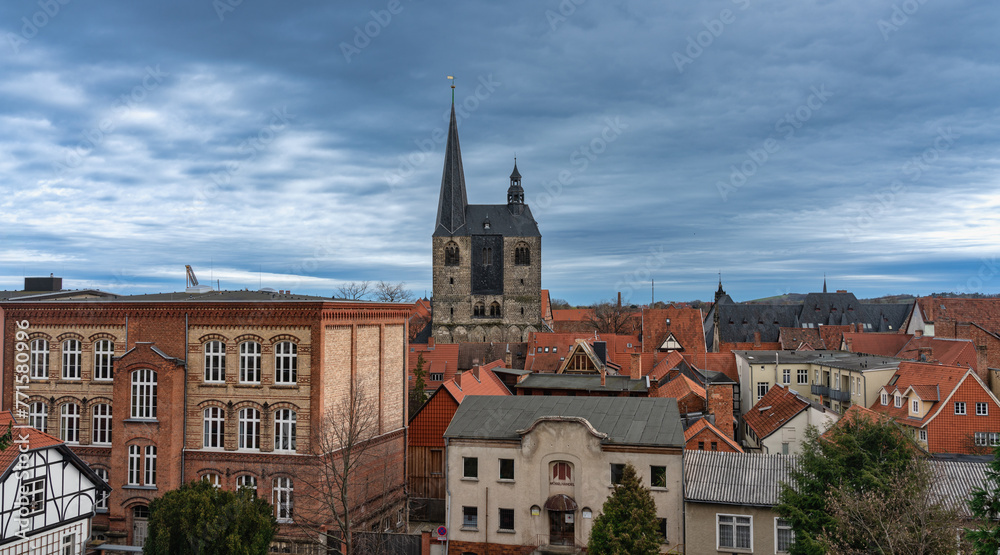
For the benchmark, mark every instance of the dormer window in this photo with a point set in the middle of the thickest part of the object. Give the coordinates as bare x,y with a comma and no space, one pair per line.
916,406
486,223
897,400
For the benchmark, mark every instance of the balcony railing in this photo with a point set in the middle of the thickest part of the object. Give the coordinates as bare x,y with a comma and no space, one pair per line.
820,390
832,394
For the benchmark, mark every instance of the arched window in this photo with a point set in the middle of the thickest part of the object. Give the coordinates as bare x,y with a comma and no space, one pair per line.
102,424
214,479
284,430
215,361
71,355
282,498
487,256
249,362
479,309
249,429
103,351
214,428
562,473
39,359
69,423
495,309
38,416
451,256
522,255
247,481
285,362
144,394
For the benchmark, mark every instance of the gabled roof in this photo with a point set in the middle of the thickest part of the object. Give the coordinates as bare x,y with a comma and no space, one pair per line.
793,338
724,363
923,378
684,324
481,381
884,344
582,348
774,410
667,363
736,478
624,420
471,354
682,386
985,312
36,440
955,352
546,352
438,359
704,424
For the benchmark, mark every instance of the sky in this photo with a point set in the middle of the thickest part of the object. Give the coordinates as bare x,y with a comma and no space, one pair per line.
299,145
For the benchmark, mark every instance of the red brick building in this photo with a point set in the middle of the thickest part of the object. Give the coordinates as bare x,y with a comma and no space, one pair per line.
947,408
157,390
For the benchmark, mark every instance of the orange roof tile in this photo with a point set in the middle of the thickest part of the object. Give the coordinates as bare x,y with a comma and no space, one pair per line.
954,352
546,351
685,324
440,358
36,440
477,382
922,375
773,410
985,312
716,362
682,386
703,424
882,344
668,362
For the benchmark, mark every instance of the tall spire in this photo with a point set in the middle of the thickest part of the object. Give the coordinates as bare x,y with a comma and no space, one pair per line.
453,200
824,283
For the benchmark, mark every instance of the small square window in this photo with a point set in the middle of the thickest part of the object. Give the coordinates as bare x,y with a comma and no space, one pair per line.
658,476
616,473
923,435
701,445
982,409
470,518
959,407
470,467
506,469
715,446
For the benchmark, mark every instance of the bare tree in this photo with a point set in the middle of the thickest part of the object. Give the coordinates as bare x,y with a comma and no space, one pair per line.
904,517
392,292
611,317
355,290
355,477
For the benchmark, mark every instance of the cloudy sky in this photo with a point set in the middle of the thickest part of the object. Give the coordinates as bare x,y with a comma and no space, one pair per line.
299,145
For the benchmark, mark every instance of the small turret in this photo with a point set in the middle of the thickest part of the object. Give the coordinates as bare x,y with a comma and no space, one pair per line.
515,194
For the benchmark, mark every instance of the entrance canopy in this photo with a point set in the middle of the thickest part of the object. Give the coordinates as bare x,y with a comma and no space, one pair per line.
560,502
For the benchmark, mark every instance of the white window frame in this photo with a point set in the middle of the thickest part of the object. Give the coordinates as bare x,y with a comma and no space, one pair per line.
144,394
922,434
250,362
960,408
281,498
985,409
214,479
38,416
101,424
897,400
761,386
884,397
134,465
39,359
150,465
500,470
72,356
802,376
104,351
215,362
32,496
69,423
986,439
247,481
786,526
284,430
249,429
733,523
286,362
786,376
214,428
101,501
915,406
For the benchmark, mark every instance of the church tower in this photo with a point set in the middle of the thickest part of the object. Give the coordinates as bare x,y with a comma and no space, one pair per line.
487,260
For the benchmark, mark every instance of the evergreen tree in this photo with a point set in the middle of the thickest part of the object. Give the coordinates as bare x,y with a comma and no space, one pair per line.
417,394
627,524
857,455
200,519
985,507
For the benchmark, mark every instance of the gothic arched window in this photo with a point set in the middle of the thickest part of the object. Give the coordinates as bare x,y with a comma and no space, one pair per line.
451,256
522,255
487,256
495,309
479,309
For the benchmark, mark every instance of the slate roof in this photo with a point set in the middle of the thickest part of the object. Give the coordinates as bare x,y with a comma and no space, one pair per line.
582,382
858,362
625,420
736,478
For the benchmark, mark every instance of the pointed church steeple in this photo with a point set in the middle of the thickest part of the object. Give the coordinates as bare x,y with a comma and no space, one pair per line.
824,283
453,200
515,194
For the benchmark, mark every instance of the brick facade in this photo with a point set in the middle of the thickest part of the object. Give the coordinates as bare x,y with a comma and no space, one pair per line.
332,347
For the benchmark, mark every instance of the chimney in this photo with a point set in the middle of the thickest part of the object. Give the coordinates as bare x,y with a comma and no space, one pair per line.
918,333
925,354
508,359
430,341
604,376
619,299
635,366
475,372
756,339
720,405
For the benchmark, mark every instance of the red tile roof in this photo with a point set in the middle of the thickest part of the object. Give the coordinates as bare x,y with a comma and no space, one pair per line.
750,346
985,312
923,377
682,386
774,410
953,352
883,344
546,350
685,324
36,440
792,339
438,358
704,424
666,363
716,362
546,307
481,381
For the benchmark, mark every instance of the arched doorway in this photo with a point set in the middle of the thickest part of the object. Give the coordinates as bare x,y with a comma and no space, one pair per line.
562,519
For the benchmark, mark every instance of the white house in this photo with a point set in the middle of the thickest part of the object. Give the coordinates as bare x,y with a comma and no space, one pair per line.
47,494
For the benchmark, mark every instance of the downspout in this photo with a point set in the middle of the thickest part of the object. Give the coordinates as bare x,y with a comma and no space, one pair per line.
684,528
486,522
447,507
126,334
184,418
